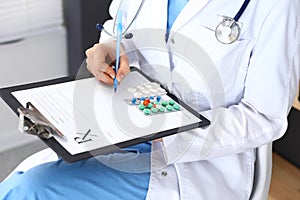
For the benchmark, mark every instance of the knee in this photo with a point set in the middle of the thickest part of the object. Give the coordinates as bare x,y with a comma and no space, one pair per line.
28,185
18,186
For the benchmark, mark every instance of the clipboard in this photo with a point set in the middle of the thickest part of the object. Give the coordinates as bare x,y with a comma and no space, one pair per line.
33,121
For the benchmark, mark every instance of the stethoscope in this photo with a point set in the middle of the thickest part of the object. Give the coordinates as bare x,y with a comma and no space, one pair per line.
227,31
125,35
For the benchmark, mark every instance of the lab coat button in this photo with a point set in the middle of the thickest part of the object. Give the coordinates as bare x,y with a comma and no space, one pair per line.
173,41
164,173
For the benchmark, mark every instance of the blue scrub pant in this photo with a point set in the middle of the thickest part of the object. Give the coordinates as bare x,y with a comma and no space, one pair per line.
113,176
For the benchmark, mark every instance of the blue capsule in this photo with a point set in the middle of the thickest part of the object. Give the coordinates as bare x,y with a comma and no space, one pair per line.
133,100
158,98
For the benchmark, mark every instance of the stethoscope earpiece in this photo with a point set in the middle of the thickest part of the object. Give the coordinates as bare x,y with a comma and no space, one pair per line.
125,35
128,36
100,28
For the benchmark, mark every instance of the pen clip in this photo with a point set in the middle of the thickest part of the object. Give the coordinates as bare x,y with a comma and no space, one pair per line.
31,121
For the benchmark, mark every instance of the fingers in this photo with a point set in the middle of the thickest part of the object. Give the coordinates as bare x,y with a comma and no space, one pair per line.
99,62
103,77
123,68
103,58
158,140
98,73
97,58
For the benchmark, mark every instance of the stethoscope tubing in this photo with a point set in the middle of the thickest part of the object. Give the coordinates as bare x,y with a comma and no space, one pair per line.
129,35
133,19
241,10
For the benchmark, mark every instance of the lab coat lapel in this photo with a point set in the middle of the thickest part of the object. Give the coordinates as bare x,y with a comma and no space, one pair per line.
188,12
159,13
153,14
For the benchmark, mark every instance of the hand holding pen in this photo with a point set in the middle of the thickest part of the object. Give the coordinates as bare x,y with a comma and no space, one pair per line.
102,57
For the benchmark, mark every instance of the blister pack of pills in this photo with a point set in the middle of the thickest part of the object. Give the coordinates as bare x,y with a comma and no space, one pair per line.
149,98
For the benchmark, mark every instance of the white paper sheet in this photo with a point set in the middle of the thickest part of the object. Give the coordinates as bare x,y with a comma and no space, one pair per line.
91,115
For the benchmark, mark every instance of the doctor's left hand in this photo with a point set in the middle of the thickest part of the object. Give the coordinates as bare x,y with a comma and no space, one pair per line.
101,58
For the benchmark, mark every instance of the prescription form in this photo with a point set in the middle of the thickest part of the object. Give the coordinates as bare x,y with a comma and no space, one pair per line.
91,115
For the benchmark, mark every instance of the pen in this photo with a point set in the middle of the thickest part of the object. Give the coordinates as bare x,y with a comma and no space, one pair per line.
119,38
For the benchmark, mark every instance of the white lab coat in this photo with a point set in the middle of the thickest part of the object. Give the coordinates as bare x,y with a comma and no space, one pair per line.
246,90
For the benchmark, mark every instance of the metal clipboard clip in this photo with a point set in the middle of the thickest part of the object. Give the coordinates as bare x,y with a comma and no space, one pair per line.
31,121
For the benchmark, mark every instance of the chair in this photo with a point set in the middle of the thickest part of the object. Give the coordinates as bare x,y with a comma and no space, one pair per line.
263,172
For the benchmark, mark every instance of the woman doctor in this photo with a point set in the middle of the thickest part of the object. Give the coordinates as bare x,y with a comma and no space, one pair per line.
245,88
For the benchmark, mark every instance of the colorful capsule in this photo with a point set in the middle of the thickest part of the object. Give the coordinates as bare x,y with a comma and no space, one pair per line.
162,109
164,103
147,111
154,110
133,100
141,107
146,102
150,105
171,102
158,98
169,108
176,107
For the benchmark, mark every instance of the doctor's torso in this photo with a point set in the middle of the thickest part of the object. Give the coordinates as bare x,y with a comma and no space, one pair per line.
195,77
207,74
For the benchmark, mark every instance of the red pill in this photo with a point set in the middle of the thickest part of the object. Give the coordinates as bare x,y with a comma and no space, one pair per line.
146,102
